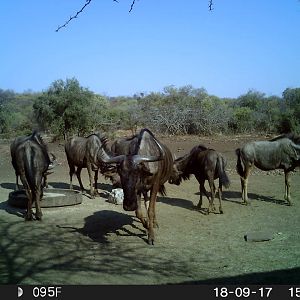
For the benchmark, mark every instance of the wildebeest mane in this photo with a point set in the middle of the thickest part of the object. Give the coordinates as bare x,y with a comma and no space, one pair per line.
186,162
36,137
104,141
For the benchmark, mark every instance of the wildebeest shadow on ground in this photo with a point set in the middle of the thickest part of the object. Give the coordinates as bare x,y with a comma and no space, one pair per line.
285,276
62,185
229,195
19,212
184,203
103,223
45,253
236,197
8,185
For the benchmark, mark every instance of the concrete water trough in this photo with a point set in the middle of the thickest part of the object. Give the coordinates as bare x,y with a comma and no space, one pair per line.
51,198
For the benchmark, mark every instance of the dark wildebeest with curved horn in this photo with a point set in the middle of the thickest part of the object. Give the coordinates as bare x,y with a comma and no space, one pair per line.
84,152
38,139
121,146
124,146
205,164
282,152
31,162
146,168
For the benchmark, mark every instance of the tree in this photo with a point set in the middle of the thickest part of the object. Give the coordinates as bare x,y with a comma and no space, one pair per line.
252,99
289,120
65,108
291,98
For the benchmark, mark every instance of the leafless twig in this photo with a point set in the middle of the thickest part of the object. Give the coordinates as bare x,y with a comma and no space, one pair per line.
74,16
131,6
210,6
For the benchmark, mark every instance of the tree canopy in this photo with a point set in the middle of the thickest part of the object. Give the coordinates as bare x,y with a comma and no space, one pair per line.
66,108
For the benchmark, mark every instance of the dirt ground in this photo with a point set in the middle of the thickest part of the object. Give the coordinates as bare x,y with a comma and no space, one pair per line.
96,242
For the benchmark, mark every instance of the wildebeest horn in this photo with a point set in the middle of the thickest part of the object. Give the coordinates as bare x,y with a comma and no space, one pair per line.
114,159
296,146
135,158
53,157
53,161
138,158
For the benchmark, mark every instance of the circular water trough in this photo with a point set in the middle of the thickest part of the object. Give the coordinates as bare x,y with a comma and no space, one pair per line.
51,198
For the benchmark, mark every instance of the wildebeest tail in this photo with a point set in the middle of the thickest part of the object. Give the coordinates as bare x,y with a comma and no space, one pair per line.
239,166
29,168
223,177
162,190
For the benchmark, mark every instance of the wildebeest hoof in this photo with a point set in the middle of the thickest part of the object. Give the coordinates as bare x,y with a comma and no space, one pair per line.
151,241
28,218
39,217
144,222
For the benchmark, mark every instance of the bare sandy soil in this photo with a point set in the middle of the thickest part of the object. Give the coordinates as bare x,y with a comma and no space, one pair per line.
96,242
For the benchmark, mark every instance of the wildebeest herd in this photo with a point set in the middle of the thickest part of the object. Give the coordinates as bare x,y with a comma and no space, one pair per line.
141,165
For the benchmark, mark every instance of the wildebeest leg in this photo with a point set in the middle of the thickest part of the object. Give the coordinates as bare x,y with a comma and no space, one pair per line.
244,184
146,201
28,215
139,212
151,213
220,197
78,171
17,183
45,182
38,211
287,194
71,172
95,180
201,189
92,191
211,207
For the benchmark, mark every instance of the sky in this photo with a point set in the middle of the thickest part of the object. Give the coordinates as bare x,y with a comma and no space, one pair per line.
241,45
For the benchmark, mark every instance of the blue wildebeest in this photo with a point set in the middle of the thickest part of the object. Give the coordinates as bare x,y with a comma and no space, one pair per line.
205,164
146,168
282,152
119,147
31,162
84,152
38,139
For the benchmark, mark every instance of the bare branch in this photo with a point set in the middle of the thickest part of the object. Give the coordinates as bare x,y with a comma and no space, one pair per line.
210,7
75,16
132,4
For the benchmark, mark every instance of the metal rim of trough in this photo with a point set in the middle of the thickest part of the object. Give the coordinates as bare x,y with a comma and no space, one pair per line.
64,197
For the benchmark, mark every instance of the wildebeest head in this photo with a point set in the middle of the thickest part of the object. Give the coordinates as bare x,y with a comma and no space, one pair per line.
178,171
175,177
133,173
52,164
